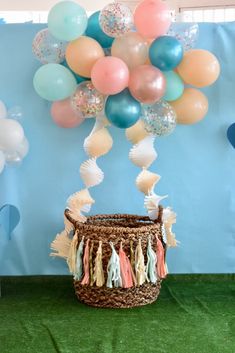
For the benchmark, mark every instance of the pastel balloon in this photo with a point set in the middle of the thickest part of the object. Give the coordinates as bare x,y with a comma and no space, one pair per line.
54,82
191,107
3,110
2,161
110,75
116,19
48,49
82,54
166,53
152,18
95,31
79,78
131,48
174,86
23,148
11,134
87,100
231,134
122,110
147,84
63,114
67,20
199,68
17,155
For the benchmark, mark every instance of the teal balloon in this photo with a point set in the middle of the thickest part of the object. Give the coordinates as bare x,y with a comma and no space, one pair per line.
174,86
94,31
54,82
166,53
67,20
122,110
79,78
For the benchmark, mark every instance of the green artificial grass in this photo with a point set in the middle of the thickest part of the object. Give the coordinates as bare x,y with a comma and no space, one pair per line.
194,314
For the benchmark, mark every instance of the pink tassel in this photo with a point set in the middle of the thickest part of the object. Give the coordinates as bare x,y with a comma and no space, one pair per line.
127,275
161,266
86,278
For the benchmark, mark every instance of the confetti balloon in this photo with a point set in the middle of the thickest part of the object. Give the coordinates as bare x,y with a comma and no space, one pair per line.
186,33
116,19
63,114
87,100
94,31
159,118
48,49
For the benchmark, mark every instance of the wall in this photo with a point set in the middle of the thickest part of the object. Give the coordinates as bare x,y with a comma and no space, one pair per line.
196,164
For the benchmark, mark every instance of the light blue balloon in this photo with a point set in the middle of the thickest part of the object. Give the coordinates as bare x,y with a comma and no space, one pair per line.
174,86
122,110
67,20
54,82
94,31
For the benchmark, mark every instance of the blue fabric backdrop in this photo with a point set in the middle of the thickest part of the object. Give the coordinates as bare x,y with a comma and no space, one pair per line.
196,164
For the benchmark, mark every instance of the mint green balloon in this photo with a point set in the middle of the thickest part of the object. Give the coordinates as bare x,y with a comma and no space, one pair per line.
54,82
67,20
174,86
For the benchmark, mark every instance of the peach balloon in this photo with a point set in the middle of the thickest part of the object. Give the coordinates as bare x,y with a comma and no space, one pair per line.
63,114
110,75
152,18
199,68
147,84
82,54
191,107
131,48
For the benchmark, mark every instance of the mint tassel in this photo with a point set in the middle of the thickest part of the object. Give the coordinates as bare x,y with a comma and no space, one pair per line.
151,264
113,269
79,261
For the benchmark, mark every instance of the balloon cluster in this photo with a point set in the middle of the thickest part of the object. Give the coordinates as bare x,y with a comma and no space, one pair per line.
142,77
14,145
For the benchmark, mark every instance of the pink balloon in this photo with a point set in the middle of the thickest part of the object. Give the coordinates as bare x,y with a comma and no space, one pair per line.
152,18
147,84
63,114
110,75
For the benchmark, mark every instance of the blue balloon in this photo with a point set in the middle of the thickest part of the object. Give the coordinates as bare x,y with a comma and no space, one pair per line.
122,110
231,134
166,53
94,31
79,78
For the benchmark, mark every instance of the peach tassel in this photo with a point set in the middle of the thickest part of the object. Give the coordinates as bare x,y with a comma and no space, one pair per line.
86,278
161,266
126,270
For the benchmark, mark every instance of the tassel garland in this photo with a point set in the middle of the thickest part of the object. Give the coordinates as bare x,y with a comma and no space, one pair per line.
139,265
79,268
71,261
127,274
91,264
113,269
161,267
98,269
151,264
86,278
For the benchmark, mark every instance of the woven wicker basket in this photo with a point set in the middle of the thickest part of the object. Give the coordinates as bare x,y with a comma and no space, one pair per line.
117,228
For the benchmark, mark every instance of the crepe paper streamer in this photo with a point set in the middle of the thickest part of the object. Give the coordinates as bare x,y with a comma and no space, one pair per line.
168,219
80,202
9,219
86,268
151,263
231,134
126,270
90,173
143,154
161,268
79,267
113,269
98,269
68,226
140,270
98,143
137,132
61,245
151,203
91,263
146,181
71,261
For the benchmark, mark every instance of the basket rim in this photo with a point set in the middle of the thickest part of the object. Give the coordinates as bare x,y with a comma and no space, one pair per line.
119,229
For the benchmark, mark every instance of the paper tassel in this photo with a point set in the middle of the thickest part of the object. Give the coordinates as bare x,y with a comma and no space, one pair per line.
61,245
126,270
98,269
169,218
91,263
71,261
139,265
79,267
113,269
151,264
161,267
86,278
132,255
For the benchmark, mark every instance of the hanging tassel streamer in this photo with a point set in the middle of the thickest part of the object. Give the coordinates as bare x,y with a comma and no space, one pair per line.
151,263
79,267
113,269
98,269
161,267
86,278
139,265
126,270
91,263
71,261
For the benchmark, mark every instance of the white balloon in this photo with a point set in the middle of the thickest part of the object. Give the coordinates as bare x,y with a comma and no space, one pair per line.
2,161
3,110
11,134
23,148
